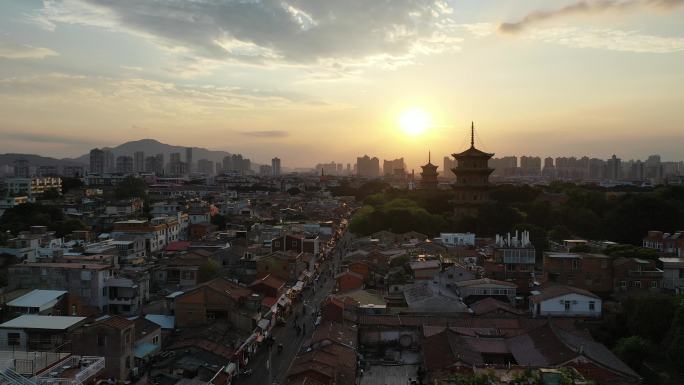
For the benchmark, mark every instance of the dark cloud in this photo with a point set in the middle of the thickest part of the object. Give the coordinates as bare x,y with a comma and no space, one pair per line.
266,134
44,138
586,8
269,31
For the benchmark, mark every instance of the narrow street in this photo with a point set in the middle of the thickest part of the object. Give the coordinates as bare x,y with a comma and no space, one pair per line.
287,334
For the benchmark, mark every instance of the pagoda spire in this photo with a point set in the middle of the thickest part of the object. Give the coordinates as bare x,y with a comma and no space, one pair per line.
472,134
429,157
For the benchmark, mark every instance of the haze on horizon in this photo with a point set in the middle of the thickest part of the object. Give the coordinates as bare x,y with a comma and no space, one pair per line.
320,80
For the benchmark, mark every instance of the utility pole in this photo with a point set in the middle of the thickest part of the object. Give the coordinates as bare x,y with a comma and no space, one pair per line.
269,363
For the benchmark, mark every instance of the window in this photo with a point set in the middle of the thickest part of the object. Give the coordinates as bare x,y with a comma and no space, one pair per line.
74,310
592,305
101,340
637,284
623,284
575,265
155,340
13,339
654,284
567,305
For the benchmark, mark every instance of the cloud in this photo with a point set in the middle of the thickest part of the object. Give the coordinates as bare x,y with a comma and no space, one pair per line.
586,8
610,39
271,32
20,51
266,134
22,135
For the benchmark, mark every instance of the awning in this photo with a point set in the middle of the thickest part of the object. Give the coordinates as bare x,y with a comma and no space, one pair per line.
298,286
263,323
284,301
145,349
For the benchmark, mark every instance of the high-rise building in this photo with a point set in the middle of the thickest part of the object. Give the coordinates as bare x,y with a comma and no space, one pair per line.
205,166
505,166
549,169
367,166
265,169
139,161
227,163
21,168
472,179
530,165
429,175
275,166
109,161
449,164
188,158
97,161
390,166
653,168
613,168
176,167
124,164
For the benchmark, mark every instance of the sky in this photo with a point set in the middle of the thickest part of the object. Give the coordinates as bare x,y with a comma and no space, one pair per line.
316,81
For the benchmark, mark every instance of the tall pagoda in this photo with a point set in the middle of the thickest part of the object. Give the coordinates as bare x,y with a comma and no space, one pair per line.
472,179
429,175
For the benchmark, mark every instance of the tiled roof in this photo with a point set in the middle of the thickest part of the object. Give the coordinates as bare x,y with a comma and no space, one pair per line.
115,321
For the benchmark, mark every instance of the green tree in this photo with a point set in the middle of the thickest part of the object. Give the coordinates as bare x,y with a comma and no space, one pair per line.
633,350
51,193
650,316
208,271
69,184
131,187
675,340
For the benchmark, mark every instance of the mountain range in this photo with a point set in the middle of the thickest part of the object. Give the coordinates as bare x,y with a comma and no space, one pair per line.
149,146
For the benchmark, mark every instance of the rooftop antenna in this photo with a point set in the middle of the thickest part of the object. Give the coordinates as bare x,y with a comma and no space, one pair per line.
472,134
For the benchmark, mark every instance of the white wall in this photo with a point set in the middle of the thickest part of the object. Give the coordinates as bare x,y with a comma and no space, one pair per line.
579,306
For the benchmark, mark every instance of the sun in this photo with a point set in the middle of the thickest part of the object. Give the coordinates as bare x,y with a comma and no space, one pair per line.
414,121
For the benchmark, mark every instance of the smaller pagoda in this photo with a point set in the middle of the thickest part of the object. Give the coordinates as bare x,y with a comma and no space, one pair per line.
429,175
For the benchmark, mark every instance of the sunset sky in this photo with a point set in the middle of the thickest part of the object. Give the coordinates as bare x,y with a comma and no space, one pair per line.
322,80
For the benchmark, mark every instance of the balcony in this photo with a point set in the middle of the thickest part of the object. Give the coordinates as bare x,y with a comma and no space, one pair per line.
519,259
75,370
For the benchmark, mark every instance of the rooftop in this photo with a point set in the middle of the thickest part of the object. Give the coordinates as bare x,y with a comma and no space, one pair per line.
31,321
37,298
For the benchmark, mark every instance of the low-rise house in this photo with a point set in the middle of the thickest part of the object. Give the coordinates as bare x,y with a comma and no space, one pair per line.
32,332
43,302
476,289
330,358
427,297
360,267
215,300
453,274
425,269
565,301
492,307
673,273
287,266
148,340
111,337
87,280
671,243
636,275
183,269
268,286
297,243
348,280
592,272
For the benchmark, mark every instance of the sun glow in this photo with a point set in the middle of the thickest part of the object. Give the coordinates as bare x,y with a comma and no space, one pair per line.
414,121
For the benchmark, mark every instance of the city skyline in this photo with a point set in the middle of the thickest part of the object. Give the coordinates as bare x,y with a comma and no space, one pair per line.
404,78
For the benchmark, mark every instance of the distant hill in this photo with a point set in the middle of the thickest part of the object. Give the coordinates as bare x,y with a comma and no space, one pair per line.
153,147
149,146
37,160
